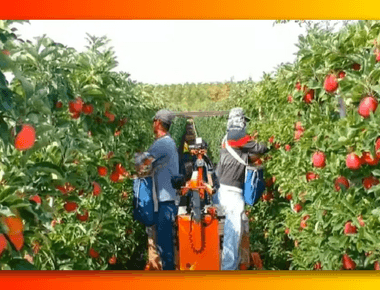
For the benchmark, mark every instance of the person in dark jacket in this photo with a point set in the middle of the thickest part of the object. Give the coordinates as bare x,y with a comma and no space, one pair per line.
231,175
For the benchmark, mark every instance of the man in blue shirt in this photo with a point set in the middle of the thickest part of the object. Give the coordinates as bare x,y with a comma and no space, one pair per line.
165,166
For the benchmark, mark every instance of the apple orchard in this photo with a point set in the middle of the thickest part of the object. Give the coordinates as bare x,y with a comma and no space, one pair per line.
70,127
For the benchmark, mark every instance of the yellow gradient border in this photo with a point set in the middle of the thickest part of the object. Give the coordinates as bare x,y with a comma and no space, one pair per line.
189,9
284,280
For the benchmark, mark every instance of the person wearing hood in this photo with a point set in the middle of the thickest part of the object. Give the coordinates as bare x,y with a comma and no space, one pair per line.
231,175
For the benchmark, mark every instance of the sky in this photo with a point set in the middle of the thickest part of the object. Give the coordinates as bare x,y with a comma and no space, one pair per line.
182,51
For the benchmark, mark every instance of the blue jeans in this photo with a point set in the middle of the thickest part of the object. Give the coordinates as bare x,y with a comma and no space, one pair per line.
215,198
165,220
232,201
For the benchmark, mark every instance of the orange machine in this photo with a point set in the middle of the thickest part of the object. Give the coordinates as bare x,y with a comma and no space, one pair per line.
198,239
198,243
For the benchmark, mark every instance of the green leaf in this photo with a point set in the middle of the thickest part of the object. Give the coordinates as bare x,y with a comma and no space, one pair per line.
3,80
4,132
92,90
370,237
47,51
27,86
20,205
376,172
5,211
8,191
41,129
21,264
6,99
47,167
5,62
376,212
342,139
344,201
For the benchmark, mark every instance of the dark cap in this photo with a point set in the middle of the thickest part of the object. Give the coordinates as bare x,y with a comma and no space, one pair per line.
165,116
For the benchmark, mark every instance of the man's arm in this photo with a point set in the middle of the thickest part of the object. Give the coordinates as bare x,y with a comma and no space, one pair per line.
253,147
159,151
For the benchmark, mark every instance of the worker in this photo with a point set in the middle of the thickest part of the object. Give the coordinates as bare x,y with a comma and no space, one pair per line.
162,235
208,171
186,162
231,175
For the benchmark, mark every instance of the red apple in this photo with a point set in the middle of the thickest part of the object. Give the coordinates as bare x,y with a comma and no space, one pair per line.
353,161
367,105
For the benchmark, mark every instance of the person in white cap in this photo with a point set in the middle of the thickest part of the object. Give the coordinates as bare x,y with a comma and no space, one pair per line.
231,176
